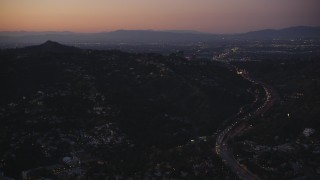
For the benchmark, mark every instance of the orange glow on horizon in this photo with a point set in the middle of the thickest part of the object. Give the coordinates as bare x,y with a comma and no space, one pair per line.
223,16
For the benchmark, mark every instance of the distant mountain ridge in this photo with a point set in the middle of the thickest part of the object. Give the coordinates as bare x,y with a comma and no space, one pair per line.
286,33
152,36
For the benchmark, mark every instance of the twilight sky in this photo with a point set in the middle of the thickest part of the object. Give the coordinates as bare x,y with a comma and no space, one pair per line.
217,16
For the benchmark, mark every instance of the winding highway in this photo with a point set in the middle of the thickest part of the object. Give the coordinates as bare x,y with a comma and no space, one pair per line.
239,124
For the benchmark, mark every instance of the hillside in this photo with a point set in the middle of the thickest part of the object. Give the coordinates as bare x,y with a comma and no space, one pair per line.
63,100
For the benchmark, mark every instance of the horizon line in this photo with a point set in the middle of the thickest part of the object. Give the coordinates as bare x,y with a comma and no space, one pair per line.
156,30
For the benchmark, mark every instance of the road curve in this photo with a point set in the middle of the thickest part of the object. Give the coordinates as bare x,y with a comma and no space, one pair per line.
239,124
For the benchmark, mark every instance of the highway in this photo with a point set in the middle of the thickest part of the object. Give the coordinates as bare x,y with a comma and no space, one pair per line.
239,124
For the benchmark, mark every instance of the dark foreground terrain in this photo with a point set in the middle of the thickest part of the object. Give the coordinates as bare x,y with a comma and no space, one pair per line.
244,109
67,113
